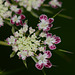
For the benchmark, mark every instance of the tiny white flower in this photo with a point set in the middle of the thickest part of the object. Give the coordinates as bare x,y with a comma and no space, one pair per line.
42,49
31,30
25,28
15,48
43,34
11,40
16,34
14,8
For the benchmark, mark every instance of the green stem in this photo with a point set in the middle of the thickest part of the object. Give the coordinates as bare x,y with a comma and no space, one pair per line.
11,25
43,72
4,43
7,19
46,5
34,14
34,59
24,61
57,13
37,32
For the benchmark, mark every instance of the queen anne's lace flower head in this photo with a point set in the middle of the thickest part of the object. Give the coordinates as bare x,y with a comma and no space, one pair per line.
27,42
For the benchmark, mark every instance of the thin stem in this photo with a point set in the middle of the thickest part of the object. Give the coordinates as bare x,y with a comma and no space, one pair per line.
34,59
34,14
58,13
11,25
46,5
43,72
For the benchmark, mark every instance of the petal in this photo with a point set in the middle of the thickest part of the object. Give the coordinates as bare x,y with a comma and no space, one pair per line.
17,24
49,34
48,64
38,57
19,11
46,29
11,21
48,54
58,40
52,47
22,17
51,20
23,58
39,66
43,17
21,22
50,25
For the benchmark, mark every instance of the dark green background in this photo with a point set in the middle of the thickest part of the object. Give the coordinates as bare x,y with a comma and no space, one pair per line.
65,65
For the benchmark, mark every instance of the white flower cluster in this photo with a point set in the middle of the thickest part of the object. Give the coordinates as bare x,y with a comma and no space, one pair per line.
29,4
25,45
4,12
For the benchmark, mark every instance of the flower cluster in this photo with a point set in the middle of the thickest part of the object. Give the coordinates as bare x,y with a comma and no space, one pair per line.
25,45
29,4
27,42
6,10
55,3
45,23
17,20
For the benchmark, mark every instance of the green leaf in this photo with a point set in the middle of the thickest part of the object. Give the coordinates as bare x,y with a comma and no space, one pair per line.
12,54
24,61
34,14
4,43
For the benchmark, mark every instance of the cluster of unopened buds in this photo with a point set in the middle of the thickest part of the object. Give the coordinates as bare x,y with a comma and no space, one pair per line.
29,42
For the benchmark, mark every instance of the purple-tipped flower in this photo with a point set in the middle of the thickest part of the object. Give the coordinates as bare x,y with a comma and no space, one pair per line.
17,20
15,9
43,60
52,40
45,23
11,40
